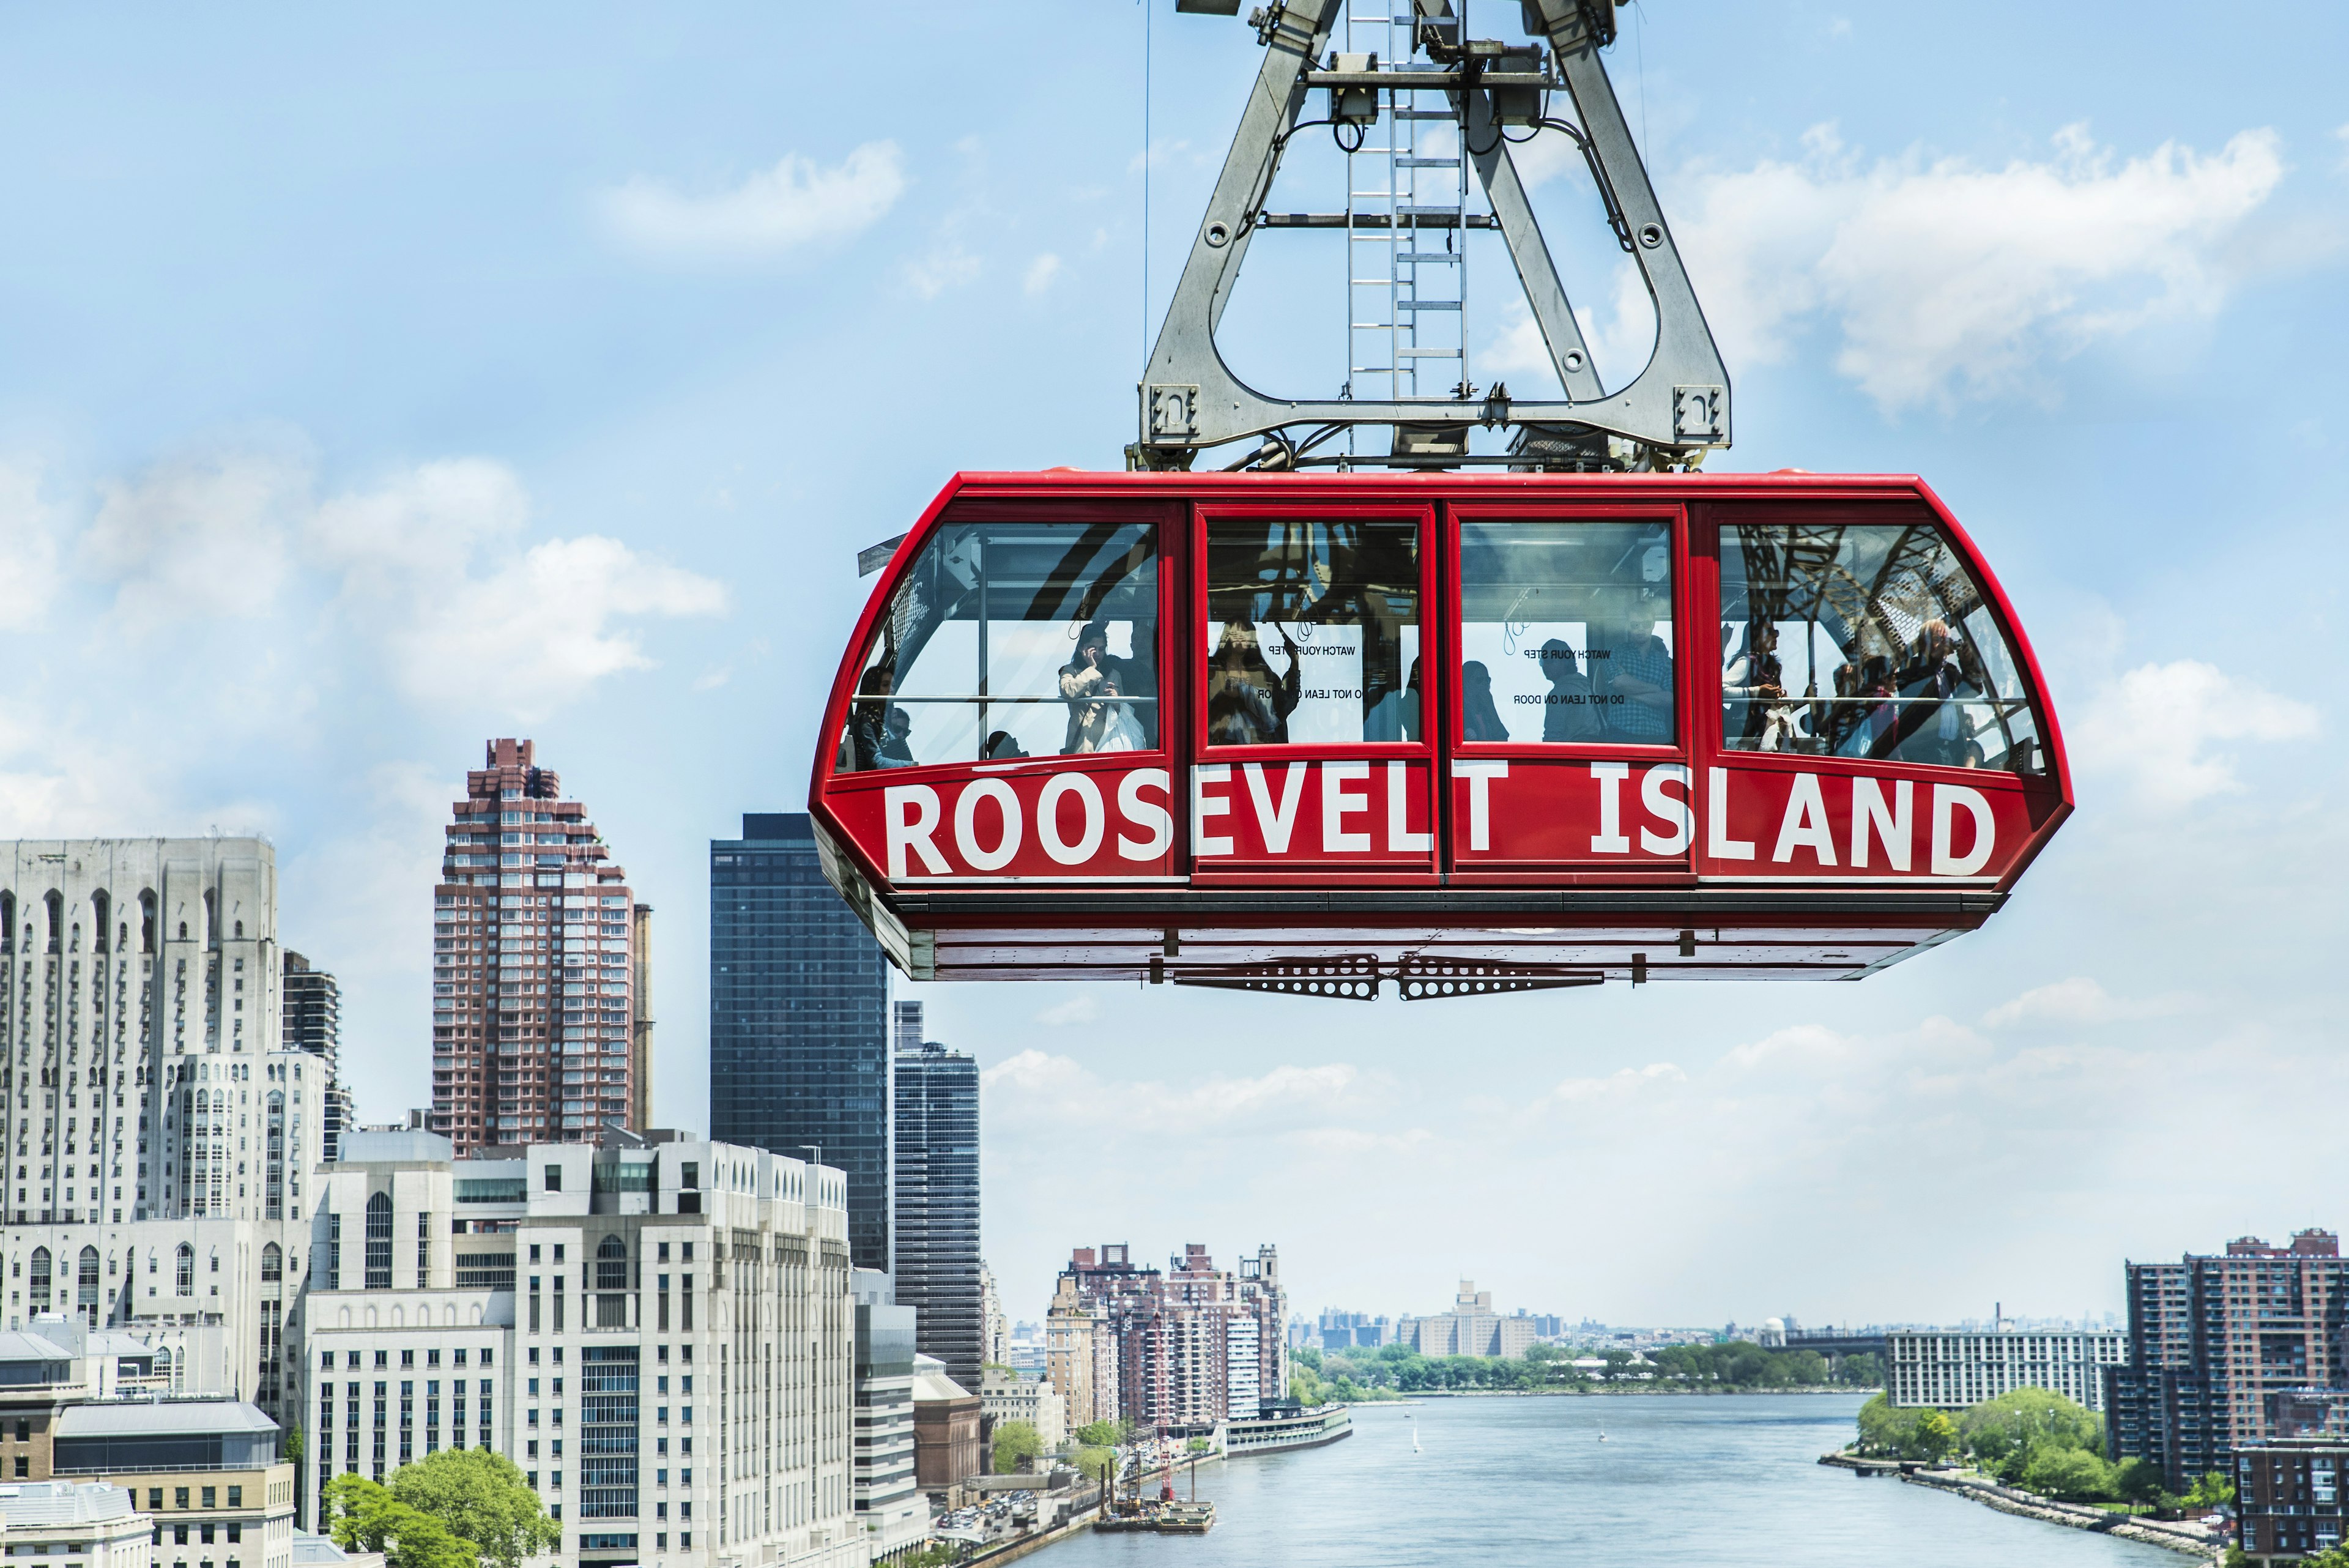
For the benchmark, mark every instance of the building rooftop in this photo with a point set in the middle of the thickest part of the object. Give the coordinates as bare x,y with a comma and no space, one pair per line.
365,1146
931,1382
145,1417
15,1346
46,1504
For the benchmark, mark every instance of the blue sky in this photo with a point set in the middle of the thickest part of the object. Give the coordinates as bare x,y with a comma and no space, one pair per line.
373,385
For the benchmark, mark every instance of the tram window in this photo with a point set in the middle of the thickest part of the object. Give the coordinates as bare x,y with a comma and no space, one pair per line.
1312,632
1013,639
1865,640
1565,633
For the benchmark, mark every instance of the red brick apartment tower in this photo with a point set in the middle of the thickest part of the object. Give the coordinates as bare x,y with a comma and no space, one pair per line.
534,931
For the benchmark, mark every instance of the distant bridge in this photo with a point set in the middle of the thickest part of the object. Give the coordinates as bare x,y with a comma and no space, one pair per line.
1837,1341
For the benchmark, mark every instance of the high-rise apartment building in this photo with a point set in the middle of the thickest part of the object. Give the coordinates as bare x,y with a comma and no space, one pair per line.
935,1125
534,1036
1196,1344
1952,1370
1081,1354
659,1331
163,1141
2225,1350
314,1023
799,1033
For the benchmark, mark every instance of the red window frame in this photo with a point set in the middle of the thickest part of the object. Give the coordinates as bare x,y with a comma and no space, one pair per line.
1434,654
1164,525
1686,691
2041,792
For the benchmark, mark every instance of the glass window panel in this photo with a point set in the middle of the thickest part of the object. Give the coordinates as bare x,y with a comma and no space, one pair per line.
1012,639
1312,632
1565,633
1867,640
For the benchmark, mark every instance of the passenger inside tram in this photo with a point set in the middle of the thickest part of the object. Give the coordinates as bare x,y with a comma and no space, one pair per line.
1395,716
1479,720
1569,620
1311,623
1011,640
1566,714
1248,704
1636,680
1891,624
1088,681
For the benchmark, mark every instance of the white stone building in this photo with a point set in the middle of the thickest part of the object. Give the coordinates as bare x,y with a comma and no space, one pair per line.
100,1522
159,1141
1006,1396
658,1332
1950,1370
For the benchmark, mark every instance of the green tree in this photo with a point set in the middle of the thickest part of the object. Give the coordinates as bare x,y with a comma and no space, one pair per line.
2212,1489
1101,1434
1934,1437
1883,1429
1306,1356
2137,1482
2076,1475
1015,1441
480,1496
1094,1462
2006,1433
366,1517
1305,1385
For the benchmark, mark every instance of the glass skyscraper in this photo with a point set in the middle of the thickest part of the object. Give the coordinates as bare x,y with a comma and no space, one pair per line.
938,1198
799,1031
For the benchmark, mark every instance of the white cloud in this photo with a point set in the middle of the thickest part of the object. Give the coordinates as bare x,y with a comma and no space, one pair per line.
948,266
434,515
1164,153
428,568
2342,136
2078,1000
540,630
2154,727
198,538
1624,1081
1036,1084
29,547
770,213
1076,1010
1041,272
1952,281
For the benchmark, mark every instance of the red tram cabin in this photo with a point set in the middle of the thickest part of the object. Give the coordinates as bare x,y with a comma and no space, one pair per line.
1462,733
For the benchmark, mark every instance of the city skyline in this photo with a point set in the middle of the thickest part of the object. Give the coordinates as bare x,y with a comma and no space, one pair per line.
556,504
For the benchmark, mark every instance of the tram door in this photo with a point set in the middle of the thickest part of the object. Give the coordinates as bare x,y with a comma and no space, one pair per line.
1314,702
1568,728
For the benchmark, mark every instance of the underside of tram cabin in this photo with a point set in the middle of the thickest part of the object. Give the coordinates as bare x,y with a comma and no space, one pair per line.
1485,731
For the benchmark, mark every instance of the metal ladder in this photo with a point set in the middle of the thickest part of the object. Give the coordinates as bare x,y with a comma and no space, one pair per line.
1406,267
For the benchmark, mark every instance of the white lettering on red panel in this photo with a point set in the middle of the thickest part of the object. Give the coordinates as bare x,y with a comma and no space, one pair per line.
1520,815
1079,823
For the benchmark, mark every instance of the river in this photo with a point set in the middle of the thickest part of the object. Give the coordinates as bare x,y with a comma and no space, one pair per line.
1687,1481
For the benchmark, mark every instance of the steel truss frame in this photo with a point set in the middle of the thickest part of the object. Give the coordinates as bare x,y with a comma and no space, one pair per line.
1671,414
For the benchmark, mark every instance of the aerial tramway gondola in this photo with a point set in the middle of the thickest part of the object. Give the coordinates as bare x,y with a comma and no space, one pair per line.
1583,714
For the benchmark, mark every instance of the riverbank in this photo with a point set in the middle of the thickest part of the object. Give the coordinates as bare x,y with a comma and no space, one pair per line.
1615,1391
1500,1483
2172,1535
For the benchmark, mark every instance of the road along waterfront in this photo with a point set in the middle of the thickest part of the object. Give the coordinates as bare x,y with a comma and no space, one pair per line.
1693,1483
